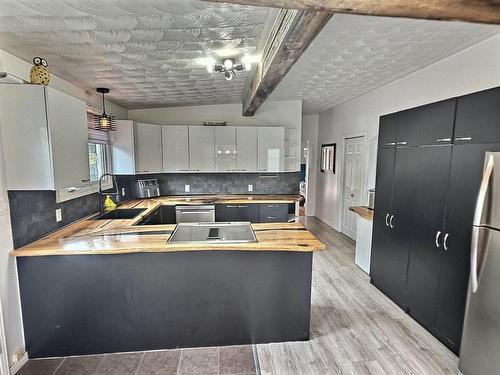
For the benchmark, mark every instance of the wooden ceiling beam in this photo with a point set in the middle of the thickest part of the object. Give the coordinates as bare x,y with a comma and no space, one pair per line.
291,34
479,11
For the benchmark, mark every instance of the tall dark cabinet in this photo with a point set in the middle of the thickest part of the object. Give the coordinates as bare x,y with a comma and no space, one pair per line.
429,167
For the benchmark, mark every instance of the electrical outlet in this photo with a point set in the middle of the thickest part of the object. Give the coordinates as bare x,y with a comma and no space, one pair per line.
123,192
250,187
58,215
186,188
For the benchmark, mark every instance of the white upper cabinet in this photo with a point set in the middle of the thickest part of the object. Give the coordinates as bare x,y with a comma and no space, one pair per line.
45,138
122,147
69,138
225,149
175,148
271,144
246,147
148,153
201,149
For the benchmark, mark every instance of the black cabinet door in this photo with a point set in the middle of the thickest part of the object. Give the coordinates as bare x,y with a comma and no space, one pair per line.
465,178
226,212
168,215
273,213
387,131
478,117
437,122
382,243
249,212
427,232
401,220
407,127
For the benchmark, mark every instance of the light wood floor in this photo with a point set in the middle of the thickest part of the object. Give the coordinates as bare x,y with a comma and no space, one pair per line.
355,329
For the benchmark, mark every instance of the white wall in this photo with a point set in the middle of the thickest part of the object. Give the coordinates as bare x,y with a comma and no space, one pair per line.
473,69
310,133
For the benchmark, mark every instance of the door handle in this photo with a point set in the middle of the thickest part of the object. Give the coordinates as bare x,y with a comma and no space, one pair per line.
403,143
390,144
463,138
473,259
441,140
483,189
390,222
445,241
387,220
436,240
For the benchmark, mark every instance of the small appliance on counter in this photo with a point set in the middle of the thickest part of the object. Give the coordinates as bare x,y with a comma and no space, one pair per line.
147,188
371,198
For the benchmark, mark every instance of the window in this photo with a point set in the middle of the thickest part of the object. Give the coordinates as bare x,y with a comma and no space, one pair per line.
328,158
98,160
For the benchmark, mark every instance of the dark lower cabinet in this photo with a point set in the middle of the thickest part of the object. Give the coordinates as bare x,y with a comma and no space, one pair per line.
237,212
427,234
424,207
162,215
273,213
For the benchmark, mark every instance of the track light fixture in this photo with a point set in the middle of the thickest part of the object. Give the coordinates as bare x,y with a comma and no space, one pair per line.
229,68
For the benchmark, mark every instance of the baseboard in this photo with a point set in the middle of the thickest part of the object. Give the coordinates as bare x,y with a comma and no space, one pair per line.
20,363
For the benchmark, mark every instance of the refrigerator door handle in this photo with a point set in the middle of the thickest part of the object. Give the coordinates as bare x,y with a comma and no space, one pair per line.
390,222
473,260
445,241
387,220
483,189
436,240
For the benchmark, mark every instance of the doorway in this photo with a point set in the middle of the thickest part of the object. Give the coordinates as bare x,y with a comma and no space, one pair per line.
354,158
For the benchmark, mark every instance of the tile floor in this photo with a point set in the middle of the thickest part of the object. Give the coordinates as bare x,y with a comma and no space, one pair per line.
228,360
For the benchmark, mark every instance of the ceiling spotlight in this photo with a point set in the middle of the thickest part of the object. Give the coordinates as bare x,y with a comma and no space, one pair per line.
229,67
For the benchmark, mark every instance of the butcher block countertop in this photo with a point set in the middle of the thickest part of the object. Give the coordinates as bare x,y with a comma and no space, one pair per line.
363,211
122,236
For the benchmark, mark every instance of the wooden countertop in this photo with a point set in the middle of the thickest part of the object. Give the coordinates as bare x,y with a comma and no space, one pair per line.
89,236
362,211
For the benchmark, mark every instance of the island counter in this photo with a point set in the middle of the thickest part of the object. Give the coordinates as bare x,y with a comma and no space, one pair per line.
109,286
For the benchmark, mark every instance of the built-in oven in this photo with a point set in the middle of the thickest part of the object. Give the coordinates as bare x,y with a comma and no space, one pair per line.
195,214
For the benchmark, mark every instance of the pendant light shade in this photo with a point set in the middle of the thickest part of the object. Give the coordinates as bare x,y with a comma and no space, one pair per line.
104,121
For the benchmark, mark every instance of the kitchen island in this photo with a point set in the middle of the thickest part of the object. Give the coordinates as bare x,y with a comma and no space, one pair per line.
101,286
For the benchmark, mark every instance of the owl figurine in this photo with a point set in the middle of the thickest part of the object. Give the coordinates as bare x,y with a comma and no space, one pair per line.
39,73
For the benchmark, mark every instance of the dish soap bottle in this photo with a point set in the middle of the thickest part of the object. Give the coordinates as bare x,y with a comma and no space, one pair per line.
109,205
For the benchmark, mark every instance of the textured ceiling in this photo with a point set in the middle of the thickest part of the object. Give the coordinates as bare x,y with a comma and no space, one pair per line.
148,52
356,54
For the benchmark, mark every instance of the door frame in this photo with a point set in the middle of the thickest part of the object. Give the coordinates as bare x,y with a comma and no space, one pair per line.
342,173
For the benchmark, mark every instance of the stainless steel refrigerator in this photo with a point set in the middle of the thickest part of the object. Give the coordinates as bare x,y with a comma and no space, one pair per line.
480,350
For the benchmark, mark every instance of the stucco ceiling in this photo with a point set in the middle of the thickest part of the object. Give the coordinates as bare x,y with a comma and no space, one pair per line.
148,52
353,55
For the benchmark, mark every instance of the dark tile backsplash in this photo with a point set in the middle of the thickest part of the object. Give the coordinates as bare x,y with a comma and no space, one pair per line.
32,213
218,183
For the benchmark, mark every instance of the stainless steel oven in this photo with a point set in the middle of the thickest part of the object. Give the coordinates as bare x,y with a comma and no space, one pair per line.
195,214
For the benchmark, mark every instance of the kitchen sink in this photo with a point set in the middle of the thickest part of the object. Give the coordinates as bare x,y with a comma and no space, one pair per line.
120,213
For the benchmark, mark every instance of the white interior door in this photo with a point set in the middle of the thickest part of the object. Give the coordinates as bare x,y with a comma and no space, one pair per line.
354,156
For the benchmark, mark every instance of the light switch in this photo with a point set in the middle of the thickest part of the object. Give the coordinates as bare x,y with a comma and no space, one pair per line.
250,187
58,215
186,188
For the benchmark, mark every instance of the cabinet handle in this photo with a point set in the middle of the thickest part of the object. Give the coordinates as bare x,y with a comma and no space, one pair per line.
390,222
401,143
436,240
231,206
390,144
86,180
442,140
463,138
387,220
72,189
243,206
445,241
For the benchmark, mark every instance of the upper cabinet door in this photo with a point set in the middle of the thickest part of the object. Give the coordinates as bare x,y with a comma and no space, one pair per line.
175,148
25,137
67,118
387,131
246,146
478,118
122,147
225,149
148,154
407,126
201,149
436,123
271,145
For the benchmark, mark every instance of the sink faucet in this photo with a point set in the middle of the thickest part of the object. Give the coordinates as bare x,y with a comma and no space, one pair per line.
101,194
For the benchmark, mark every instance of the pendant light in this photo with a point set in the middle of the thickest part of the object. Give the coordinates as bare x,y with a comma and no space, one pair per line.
104,122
